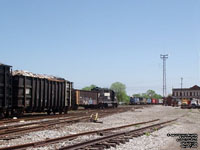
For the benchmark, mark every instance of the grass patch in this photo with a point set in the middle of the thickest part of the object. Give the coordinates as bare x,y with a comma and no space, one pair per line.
147,134
137,126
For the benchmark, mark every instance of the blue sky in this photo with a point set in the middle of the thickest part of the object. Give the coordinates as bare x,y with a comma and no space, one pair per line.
103,41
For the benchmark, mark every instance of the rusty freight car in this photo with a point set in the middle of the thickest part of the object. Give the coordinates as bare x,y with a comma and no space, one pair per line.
86,99
40,93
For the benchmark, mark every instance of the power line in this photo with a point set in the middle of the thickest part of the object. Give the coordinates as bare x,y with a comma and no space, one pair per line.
164,58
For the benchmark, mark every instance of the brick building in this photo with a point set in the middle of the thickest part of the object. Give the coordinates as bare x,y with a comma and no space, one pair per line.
186,93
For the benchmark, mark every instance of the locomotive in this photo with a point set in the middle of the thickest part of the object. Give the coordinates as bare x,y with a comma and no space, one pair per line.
96,98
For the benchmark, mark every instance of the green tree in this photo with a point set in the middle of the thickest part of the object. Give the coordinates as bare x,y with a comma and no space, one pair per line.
120,90
88,88
149,94
137,95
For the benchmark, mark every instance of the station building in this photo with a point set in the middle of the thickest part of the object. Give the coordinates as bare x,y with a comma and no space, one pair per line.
186,93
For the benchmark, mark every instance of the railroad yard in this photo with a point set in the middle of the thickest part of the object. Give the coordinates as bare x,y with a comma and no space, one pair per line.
127,127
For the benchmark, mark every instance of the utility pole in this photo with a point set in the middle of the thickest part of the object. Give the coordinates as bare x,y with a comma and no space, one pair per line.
164,58
181,88
181,82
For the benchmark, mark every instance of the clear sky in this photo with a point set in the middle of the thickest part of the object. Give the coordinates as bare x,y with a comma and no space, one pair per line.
103,41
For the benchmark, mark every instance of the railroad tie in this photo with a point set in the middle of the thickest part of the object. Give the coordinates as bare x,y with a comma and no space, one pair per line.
99,147
110,144
104,145
115,141
126,138
121,140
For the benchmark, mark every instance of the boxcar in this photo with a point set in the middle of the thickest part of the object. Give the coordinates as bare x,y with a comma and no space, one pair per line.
153,101
134,100
5,90
160,101
38,93
86,99
143,101
168,101
148,101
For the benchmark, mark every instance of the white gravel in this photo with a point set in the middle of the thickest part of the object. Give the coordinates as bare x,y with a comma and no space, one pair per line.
190,123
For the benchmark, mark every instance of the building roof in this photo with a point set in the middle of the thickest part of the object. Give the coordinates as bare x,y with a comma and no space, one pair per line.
195,87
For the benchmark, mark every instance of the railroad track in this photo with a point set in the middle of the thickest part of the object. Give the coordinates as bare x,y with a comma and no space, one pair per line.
73,136
55,118
21,129
115,138
13,131
72,113
33,118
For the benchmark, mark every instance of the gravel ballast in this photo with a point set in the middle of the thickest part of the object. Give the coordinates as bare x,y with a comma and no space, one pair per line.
188,122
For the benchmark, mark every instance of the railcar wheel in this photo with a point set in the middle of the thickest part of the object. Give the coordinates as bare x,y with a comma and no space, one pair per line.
66,110
8,113
2,115
60,112
75,107
48,112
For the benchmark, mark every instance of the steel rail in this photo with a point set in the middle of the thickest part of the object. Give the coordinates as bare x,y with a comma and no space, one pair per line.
32,123
40,126
112,136
54,140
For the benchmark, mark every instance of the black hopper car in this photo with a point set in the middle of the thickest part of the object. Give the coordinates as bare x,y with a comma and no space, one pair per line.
22,91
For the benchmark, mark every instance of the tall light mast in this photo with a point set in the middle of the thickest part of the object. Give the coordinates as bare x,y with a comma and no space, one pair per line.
164,58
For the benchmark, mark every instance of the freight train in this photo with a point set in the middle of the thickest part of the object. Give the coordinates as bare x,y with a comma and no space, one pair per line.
22,91
144,101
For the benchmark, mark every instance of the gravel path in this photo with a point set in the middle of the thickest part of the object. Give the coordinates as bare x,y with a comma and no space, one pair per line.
189,122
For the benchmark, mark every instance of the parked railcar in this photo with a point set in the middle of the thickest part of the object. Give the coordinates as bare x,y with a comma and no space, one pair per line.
168,101
5,90
96,98
38,93
149,101
153,101
106,97
143,101
160,101
86,99
134,100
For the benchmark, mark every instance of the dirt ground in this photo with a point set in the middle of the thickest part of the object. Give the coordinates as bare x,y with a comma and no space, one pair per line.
188,123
